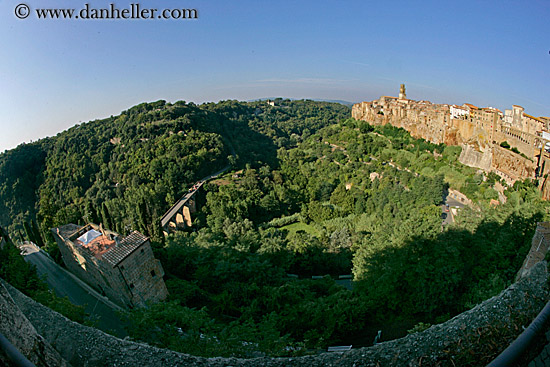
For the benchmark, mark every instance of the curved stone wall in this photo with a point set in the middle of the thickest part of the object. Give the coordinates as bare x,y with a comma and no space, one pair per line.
85,346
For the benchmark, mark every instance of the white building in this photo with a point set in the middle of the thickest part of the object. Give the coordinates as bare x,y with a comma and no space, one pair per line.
459,112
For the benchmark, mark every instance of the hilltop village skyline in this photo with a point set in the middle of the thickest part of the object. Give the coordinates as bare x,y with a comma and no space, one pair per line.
510,143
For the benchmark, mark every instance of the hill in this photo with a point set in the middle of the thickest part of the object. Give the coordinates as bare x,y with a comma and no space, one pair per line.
316,195
146,157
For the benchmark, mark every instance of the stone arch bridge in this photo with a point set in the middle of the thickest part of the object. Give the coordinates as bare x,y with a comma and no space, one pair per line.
179,215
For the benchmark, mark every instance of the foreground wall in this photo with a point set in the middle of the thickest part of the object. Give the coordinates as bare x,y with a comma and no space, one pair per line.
23,336
84,346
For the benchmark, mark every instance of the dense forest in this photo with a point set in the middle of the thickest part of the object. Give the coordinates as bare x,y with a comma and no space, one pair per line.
312,196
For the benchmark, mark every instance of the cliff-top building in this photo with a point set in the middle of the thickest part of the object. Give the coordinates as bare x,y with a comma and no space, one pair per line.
479,130
123,269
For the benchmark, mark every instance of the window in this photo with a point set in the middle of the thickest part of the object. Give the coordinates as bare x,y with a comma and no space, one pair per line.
153,274
131,285
142,251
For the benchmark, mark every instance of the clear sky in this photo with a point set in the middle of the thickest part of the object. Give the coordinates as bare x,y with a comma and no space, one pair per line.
57,73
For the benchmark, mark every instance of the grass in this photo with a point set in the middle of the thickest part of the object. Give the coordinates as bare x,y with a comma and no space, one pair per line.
299,226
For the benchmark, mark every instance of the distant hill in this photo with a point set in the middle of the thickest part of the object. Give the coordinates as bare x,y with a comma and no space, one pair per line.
345,103
131,167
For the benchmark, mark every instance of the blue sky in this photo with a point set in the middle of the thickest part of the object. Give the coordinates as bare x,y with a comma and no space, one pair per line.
57,73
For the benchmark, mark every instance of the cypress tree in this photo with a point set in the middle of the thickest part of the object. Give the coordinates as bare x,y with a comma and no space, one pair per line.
107,220
37,235
5,236
29,232
160,230
142,211
91,213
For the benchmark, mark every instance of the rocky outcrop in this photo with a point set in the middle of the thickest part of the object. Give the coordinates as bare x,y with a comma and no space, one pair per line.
23,336
479,133
509,165
474,158
512,164
84,346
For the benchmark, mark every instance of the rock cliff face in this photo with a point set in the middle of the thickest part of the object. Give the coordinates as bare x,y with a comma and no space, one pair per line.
474,158
511,164
420,118
84,346
507,164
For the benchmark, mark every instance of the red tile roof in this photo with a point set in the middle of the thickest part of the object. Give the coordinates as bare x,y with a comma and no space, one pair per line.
98,246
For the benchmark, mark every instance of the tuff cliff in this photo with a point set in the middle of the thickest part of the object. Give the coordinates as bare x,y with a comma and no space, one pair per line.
474,158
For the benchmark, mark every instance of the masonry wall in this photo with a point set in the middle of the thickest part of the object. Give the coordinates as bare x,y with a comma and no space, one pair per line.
540,244
523,141
116,289
143,274
82,263
114,282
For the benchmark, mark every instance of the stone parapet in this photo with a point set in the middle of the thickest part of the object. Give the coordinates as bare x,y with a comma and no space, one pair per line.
85,346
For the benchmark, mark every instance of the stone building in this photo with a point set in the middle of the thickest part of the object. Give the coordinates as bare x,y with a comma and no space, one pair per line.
123,269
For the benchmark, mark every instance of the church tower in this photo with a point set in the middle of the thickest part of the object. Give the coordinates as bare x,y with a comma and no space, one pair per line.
402,94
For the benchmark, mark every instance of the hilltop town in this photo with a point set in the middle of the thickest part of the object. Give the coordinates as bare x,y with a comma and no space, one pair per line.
512,144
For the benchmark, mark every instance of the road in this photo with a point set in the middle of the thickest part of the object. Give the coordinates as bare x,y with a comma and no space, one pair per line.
66,284
449,217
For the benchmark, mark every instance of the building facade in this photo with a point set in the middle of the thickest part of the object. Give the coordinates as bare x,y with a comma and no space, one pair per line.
123,269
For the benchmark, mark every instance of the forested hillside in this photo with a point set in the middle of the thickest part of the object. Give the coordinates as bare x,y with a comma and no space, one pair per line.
127,170
347,199
312,193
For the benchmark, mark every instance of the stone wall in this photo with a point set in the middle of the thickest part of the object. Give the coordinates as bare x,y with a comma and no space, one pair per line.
539,248
523,141
144,273
23,336
509,165
84,346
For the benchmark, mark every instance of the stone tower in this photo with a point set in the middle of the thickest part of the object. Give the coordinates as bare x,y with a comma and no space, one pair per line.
402,94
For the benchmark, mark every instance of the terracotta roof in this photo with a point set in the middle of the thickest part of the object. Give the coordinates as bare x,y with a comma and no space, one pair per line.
98,246
532,117
128,245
